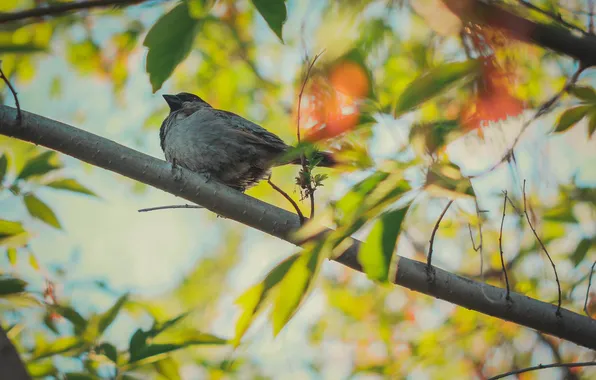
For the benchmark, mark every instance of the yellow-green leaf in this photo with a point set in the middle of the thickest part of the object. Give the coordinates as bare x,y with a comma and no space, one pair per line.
11,253
106,319
70,185
571,116
40,165
41,211
433,83
33,261
62,345
447,180
592,124
376,253
168,368
251,301
3,167
296,284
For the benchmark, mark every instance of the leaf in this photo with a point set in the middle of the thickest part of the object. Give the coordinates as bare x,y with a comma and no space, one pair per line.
109,351
169,41
41,369
155,351
8,228
70,185
580,251
41,211
198,8
3,167
6,48
592,124
72,316
447,180
39,165
11,253
108,317
79,376
168,368
584,93
295,285
49,321
11,285
376,253
433,83
275,14
62,345
136,345
251,301
570,117
33,261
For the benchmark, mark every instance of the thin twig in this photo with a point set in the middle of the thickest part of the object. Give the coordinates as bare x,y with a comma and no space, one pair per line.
501,246
588,290
60,9
552,263
542,110
472,238
169,207
432,236
556,17
14,93
285,195
303,162
543,366
481,251
591,16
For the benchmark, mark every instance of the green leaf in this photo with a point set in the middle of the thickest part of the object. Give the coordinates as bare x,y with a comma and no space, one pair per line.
376,253
156,351
570,117
296,284
11,285
11,253
433,83
63,345
6,48
584,93
158,328
48,320
41,211
8,228
109,351
72,316
592,124
136,345
580,251
169,41
251,301
447,180
275,14
3,167
108,317
79,376
39,165
70,185
168,368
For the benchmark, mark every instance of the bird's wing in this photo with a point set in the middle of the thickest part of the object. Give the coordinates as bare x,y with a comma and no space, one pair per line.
248,126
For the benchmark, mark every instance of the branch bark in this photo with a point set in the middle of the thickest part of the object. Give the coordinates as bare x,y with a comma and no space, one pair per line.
270,219
11,365
60,9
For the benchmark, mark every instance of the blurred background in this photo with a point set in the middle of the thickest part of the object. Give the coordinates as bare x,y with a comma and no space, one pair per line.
79,242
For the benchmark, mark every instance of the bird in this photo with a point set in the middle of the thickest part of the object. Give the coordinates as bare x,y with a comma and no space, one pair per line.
222,145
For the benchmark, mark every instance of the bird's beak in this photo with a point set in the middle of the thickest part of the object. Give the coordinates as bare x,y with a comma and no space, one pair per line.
173,102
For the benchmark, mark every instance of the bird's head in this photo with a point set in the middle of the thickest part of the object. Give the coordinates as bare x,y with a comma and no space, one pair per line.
182,100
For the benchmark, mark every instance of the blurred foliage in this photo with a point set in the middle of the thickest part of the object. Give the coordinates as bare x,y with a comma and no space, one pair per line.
402,91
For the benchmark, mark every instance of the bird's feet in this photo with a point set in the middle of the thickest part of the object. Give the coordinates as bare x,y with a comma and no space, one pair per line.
176,171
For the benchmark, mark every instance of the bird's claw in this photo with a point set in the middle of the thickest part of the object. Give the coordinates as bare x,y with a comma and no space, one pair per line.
176,171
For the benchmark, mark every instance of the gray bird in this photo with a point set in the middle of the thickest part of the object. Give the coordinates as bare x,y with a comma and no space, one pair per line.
221,144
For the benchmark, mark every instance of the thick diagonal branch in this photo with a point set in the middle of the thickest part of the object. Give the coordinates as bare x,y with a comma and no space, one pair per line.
11,365
275,221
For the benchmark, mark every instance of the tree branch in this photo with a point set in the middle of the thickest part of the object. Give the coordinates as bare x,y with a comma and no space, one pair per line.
582,48
11,364
60,9
275,221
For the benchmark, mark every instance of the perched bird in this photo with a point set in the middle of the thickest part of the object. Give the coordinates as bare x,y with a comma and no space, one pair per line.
221,144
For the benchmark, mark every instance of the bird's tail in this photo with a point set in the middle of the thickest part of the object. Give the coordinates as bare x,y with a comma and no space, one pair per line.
326,159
